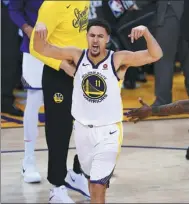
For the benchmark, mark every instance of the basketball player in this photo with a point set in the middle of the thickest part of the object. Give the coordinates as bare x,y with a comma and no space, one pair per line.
176,108
96,100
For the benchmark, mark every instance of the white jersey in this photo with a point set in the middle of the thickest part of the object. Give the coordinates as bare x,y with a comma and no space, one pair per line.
96,96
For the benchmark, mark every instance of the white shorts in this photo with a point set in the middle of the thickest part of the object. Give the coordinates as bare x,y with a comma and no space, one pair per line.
98,149
32,70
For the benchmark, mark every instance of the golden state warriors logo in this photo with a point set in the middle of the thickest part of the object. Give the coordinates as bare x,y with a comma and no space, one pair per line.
94,87
58,98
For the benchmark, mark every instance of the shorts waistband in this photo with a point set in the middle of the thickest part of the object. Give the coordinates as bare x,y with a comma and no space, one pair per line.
93,126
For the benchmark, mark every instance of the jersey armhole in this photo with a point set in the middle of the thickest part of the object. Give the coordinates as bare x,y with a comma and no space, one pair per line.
113,67
80,59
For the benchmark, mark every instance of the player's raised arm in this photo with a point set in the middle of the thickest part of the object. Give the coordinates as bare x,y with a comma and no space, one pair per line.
44,48
151,54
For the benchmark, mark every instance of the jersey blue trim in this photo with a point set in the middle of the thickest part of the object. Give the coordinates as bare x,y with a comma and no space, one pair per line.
97,65
79,62
113,67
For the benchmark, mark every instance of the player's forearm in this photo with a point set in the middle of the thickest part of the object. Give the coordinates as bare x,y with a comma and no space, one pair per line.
176,108
48,50
44,48
39,53
53,63
153,47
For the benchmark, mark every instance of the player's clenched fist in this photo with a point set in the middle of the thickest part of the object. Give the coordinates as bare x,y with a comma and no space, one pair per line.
137,32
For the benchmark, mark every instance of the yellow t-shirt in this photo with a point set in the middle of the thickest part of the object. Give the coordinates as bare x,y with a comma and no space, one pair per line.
66,22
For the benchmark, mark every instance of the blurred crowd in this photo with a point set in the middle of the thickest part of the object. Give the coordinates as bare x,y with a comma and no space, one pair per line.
162,17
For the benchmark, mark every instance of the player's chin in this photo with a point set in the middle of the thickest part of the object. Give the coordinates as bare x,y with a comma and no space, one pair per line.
95,54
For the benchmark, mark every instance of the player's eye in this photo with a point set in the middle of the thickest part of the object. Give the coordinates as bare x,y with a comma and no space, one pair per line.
100,36
92,35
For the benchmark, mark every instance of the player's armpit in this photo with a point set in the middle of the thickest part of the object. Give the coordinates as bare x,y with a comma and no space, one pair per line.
121,72
135,59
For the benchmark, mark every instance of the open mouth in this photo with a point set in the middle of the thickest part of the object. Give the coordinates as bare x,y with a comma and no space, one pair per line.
95,48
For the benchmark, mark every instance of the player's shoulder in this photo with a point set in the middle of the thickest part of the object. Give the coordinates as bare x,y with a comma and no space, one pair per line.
120,56
75,50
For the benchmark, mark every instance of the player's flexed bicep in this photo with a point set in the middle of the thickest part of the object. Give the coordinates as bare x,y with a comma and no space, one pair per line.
44,48
151,54
134,59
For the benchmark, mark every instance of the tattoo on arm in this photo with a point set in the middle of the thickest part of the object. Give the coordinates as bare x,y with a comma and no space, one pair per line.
176,108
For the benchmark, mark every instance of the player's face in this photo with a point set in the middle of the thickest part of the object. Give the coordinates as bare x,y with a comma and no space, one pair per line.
97,38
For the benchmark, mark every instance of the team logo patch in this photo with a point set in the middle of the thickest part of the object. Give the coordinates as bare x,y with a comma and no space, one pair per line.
58,98
94,87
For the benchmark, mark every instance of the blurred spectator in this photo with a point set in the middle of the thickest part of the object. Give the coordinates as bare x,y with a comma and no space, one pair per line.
95,9
185,35
184,22
11,70
121,13
114,12
167,34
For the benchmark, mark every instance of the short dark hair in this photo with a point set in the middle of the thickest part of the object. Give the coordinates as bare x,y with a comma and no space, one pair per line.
101,23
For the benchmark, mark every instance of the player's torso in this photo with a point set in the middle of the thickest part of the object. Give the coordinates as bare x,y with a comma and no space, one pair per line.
96,94
72,30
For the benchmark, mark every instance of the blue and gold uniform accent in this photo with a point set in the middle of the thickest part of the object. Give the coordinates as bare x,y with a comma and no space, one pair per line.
94,87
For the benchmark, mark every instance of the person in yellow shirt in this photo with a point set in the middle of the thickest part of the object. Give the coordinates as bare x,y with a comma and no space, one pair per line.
66,23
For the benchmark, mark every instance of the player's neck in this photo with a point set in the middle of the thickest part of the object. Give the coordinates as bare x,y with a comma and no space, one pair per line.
99,58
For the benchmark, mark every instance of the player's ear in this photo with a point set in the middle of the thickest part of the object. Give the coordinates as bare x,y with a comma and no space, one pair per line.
108,40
